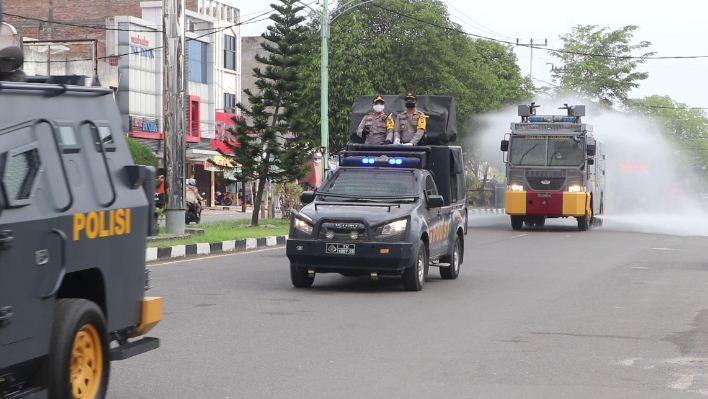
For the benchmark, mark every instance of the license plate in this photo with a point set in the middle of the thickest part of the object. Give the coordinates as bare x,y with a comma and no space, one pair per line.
340,249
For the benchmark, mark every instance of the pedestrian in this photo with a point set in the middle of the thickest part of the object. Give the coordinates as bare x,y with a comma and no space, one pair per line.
376,127
411,124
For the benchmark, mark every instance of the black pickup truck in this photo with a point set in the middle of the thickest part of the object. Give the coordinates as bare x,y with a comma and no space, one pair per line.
387,210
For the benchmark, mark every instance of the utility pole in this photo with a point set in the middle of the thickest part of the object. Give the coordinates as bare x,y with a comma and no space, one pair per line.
531,45
324,90
173,114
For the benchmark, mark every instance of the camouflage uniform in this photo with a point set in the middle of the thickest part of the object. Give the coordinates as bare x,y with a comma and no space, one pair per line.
410,128
378,124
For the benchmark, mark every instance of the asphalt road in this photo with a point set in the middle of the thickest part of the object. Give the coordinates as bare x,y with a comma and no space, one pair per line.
553,313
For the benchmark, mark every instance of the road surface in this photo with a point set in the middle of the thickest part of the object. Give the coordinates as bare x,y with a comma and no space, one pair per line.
552,313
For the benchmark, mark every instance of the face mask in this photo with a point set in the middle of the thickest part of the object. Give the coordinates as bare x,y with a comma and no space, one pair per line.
378,107
410,105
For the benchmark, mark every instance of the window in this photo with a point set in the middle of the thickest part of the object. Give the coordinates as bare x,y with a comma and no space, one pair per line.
430,187
230,52
230,103
197,61
193,118
21,170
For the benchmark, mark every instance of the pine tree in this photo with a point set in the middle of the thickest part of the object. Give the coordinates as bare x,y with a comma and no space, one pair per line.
271,143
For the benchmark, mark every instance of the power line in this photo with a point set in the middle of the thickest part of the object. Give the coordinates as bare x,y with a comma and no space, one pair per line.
552,50
98,27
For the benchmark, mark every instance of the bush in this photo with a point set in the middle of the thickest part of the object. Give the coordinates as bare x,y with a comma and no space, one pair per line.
290,196
142,154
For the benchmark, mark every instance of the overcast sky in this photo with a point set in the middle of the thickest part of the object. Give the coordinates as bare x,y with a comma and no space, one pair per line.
677,27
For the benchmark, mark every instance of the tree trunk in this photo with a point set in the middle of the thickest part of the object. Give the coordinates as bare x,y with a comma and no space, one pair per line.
262,175
243,195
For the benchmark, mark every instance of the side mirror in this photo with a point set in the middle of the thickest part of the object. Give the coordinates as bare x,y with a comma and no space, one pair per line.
591,161
591,149
504,145
307,197
435,201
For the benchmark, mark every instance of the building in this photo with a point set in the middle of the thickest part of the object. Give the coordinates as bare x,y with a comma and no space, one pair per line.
120,41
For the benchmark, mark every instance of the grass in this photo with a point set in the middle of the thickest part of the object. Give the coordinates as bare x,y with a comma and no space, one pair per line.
231,230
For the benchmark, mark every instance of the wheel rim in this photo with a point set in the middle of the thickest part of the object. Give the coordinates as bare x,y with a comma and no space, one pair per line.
456,258
86,363
421,267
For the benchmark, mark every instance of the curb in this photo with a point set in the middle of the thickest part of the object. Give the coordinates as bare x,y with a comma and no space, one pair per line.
486,210
212,248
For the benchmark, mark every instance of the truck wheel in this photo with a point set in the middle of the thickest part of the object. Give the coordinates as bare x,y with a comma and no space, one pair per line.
78,364
541,221
414,276
517,222
451,272
583,223
299,277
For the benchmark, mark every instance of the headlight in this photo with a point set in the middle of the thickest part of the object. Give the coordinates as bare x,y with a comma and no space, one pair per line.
575,188
393,228
516,187
302,226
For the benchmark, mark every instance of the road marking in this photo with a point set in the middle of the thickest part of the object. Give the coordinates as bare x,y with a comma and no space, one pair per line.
520,235
214,256
638,267
663,249
684,380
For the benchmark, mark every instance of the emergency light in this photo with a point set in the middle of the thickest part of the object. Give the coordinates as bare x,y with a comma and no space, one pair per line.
383,160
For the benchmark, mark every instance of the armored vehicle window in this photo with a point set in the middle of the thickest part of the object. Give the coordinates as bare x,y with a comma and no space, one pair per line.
105,136
430,187
564,151
21,170
67,139
372,182
529,151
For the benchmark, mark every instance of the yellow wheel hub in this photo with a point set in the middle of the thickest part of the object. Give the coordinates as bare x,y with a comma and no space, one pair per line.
86,363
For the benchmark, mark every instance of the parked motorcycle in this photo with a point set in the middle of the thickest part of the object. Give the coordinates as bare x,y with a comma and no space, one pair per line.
223,198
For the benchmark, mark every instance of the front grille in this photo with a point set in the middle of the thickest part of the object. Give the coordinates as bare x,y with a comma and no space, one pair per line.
546,183
342,231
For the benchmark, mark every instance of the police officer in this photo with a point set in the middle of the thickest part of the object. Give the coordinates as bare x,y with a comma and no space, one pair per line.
411,124
376,127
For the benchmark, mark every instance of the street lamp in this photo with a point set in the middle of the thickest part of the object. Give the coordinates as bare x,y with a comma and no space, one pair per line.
324,71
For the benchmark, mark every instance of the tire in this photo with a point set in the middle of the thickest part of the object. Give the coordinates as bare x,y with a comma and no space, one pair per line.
414,276
517,222
541,221
78,363
451,272
228,202
299,277
583,224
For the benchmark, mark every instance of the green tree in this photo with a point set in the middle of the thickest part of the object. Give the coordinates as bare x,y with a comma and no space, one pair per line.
601,63
685,126
142,154
395,46
268,149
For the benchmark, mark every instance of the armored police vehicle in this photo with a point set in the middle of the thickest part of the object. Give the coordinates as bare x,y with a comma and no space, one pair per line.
74,215
555,168
387,210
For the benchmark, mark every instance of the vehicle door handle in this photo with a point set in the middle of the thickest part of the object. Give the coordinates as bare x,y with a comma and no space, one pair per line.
6,239
5,315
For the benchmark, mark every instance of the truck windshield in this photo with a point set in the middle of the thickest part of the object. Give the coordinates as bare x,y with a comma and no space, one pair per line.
363,183
546,151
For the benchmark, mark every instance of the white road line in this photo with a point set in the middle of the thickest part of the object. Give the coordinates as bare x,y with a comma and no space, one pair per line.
520,235
214,256
663,249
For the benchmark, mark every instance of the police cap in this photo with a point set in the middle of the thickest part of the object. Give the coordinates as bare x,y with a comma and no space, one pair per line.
379,99
410,96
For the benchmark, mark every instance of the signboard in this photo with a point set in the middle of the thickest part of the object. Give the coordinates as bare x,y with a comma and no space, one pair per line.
139,45
142,124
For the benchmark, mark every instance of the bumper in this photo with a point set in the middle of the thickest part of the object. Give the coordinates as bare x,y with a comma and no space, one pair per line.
151,314
383,258
550,204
